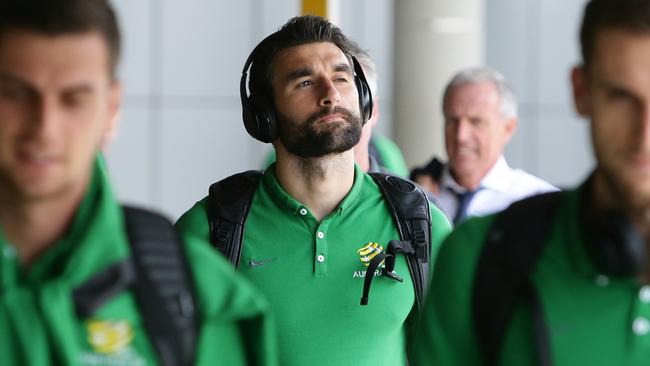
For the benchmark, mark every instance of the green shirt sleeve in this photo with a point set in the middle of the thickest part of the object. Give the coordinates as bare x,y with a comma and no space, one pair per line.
444,333
440,229
238,328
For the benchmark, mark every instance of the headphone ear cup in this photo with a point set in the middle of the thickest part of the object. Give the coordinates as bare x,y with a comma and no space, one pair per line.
263,117
258,114
249,117
616,246
365,98
363,89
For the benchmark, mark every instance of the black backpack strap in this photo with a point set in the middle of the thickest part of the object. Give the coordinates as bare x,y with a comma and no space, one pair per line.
410,210
509,256
229,201
102,287
164,287
157,272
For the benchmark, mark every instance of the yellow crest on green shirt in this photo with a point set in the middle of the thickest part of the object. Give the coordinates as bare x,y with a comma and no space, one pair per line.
368,252
107,336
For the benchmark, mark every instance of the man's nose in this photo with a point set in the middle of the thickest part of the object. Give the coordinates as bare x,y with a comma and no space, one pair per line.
644,126
46,115
330,95
462,130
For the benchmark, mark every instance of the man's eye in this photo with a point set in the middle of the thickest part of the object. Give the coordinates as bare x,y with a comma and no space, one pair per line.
619,94
451,121
74,100
341,80
305,83
14,93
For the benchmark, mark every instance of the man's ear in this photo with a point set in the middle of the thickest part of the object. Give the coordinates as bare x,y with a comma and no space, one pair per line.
510,128
375,114
114,114
580,84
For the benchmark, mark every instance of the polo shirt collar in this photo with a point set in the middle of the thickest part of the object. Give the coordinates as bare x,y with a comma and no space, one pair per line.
570,225
281,198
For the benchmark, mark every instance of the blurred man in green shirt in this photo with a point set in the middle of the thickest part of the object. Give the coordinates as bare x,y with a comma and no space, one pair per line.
586,300
68,273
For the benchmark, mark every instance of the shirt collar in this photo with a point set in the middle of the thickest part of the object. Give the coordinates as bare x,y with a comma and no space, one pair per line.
575,238
496,179
281,198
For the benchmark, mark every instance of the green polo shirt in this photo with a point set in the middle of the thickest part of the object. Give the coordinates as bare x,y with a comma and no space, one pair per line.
312,273
593,319
39,326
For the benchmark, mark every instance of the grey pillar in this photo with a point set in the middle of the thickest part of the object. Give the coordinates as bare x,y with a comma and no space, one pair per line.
433,39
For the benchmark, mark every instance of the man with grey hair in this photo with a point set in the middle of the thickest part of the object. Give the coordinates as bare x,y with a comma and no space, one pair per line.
480,113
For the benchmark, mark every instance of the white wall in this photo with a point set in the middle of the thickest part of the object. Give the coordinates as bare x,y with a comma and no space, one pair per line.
181,127
535,44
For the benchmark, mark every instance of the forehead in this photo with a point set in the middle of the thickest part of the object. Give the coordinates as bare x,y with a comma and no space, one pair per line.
311,55
621,56
44,59
473,98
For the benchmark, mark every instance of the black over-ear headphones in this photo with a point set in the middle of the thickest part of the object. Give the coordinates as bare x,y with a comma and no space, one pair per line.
258,111
615,245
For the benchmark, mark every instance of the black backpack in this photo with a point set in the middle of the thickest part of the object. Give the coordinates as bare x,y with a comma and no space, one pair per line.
229,202
503,275
162,284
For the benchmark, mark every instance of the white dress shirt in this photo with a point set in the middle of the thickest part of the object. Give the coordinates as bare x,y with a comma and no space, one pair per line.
499,188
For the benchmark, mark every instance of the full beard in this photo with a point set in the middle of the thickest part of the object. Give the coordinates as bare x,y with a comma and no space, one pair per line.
310,139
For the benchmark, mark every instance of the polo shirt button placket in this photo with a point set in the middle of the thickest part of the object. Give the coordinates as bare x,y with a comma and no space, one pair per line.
303,211
602,280
640,326
8,252
321,252
644,294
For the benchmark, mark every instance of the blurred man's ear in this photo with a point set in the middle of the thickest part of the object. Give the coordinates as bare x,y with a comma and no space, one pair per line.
580,83
375,114
115,113
510,128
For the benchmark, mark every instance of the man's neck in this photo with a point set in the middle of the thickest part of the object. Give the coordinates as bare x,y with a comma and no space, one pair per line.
362,157
469,183
318,183
34,226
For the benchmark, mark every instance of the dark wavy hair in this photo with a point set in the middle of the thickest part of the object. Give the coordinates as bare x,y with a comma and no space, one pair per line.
297,31
628,15
60,17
